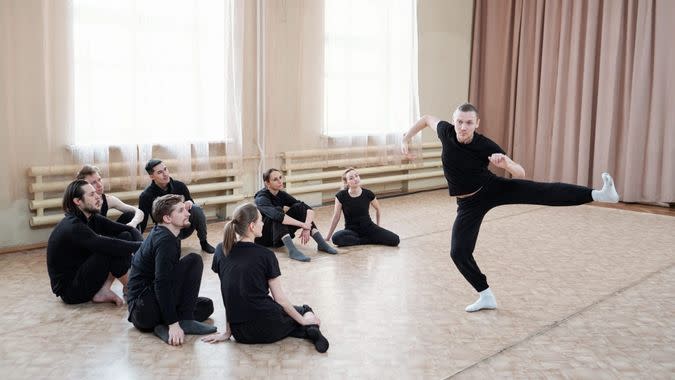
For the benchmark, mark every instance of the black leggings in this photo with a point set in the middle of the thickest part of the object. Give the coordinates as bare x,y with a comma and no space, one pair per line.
145,313
372,234
502,191
274,230
270,330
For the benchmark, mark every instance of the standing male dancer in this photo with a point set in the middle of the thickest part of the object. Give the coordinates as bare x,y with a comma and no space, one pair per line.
465,157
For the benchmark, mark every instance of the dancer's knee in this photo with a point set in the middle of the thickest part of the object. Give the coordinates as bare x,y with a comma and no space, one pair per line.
203,309
343,238
194,261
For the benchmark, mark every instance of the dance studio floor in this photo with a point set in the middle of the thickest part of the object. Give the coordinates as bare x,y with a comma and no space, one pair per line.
583,292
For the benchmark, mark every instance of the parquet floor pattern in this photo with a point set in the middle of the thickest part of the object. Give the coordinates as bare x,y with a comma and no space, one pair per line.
583,292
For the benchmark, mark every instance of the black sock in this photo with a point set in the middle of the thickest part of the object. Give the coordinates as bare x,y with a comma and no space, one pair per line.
162,332
320,341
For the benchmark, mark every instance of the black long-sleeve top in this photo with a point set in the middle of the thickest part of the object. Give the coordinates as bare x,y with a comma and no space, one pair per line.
75,238
153,191
272,206
153,265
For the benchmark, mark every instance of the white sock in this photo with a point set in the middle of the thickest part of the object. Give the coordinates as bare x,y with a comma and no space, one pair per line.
608,193
486,300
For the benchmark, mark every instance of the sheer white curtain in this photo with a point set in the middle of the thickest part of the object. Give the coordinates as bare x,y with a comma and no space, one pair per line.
370,71
156,78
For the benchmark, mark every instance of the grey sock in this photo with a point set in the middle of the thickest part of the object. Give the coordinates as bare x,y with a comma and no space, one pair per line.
293,252
192,327
162,332
322,245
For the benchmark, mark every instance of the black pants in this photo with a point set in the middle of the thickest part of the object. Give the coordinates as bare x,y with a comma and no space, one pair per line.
144,311
502,191
270,330
91,275
274,230
132,235
197,222
372,234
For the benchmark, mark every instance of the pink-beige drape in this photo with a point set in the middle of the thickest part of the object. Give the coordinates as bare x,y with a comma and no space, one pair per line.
571,89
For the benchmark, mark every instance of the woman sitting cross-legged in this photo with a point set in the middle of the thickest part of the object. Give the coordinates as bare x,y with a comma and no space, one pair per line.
248,272
355,202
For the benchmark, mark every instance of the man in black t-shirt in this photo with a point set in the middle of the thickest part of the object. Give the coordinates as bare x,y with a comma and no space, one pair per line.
281,225
163,184
465,156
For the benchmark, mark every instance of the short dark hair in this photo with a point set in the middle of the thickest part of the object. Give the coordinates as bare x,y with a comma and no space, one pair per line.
73,191
467,107
151,164
87,170
268,173
163,205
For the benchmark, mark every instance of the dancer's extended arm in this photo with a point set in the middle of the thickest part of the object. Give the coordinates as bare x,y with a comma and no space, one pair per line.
425,121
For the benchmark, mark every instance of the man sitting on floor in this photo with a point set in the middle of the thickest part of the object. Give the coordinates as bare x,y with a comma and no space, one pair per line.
163,184
163,288
86,252
131,215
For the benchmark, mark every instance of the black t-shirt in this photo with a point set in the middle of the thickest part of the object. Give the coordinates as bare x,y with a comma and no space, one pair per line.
465,165
356,209
153,191
104,205
244,273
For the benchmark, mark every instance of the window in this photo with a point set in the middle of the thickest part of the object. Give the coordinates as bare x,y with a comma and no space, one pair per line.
150,71
370,66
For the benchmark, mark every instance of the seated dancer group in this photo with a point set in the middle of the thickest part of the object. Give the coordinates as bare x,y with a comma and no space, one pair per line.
86,252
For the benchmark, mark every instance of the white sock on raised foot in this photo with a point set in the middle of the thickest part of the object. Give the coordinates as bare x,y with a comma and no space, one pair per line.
608,193
486,300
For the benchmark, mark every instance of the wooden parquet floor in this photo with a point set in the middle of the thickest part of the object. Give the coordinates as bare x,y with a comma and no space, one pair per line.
583,292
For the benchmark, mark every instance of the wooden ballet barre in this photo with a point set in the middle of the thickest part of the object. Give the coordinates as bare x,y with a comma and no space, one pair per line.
369,181
46,220
72,169
364,170
313,153
346,162
126,195
120,182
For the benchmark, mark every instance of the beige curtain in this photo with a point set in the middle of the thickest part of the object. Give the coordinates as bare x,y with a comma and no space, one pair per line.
34,79
574,88
37,98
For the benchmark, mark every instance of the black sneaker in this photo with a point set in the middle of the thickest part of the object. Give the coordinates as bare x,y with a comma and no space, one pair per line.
206,247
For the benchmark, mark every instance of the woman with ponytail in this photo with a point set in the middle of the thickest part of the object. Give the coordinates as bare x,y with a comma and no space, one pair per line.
248,272
355,202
